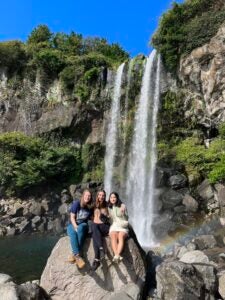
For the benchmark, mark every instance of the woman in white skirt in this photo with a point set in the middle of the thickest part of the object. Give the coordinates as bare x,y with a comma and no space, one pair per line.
119,229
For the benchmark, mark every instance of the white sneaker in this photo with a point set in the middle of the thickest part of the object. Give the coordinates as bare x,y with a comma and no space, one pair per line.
116,259
120,258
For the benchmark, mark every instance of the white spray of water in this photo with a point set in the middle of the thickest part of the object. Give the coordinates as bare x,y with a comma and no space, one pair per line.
111,137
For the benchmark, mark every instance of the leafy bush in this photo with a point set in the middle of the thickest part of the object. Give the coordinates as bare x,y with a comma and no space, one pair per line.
91,75
92,155
186,26
29,161
51,60
208,162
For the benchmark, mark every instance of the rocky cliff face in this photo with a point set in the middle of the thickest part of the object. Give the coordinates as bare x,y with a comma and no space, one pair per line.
202,76
42,106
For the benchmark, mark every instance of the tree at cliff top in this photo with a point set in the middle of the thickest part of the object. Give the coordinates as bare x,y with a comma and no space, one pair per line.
187,26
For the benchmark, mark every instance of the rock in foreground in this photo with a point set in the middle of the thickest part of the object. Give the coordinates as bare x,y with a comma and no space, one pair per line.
62,280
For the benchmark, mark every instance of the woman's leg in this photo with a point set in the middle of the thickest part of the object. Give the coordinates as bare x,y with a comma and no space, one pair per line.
121,239
82,231
114,238
96,236
73,239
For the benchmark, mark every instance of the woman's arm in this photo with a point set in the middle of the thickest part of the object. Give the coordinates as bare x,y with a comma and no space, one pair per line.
73,220
123,208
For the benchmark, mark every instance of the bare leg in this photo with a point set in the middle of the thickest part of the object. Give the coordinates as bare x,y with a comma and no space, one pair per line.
114,243
121,238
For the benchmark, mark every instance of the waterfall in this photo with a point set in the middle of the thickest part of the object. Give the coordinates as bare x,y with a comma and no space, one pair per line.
130,66
142,158
111,137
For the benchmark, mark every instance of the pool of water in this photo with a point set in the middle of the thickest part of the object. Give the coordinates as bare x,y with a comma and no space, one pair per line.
24,257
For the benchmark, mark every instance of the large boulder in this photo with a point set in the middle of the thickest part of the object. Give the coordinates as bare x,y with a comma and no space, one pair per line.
62,280
178,281
26,291
178,181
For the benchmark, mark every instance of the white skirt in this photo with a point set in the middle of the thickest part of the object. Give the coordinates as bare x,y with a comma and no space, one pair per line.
116,227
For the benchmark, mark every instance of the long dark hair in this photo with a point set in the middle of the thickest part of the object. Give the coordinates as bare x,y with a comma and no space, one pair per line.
97,203
118,201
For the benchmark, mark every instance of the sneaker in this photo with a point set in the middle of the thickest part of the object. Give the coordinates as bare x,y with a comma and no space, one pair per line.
95,265
102,253
71,259
120,258
116,259
80,262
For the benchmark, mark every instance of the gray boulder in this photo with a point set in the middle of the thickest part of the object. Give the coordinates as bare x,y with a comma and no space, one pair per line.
171,198
63,281
178,181
205,268
9,291
178,281
222,286
205,242
205,190
190,203
4,278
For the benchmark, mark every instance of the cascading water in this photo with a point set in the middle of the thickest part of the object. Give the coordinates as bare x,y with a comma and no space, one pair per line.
130,66
149,237
142,159
111,137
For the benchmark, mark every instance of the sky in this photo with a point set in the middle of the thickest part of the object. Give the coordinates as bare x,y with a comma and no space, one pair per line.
130,23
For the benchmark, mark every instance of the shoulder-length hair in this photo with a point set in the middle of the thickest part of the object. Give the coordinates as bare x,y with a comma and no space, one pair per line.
118,201
90,203
97,202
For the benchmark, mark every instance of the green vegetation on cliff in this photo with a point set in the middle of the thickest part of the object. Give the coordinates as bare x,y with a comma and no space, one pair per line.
181,143
187,26
26,162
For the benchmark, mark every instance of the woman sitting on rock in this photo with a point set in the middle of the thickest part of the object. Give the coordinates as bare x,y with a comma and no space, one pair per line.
100,227
80,212
119,229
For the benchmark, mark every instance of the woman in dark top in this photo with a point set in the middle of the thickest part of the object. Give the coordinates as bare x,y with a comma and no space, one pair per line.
100,227
80,212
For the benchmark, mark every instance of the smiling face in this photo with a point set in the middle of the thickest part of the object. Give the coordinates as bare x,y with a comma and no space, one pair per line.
113,199
86,197
101,196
